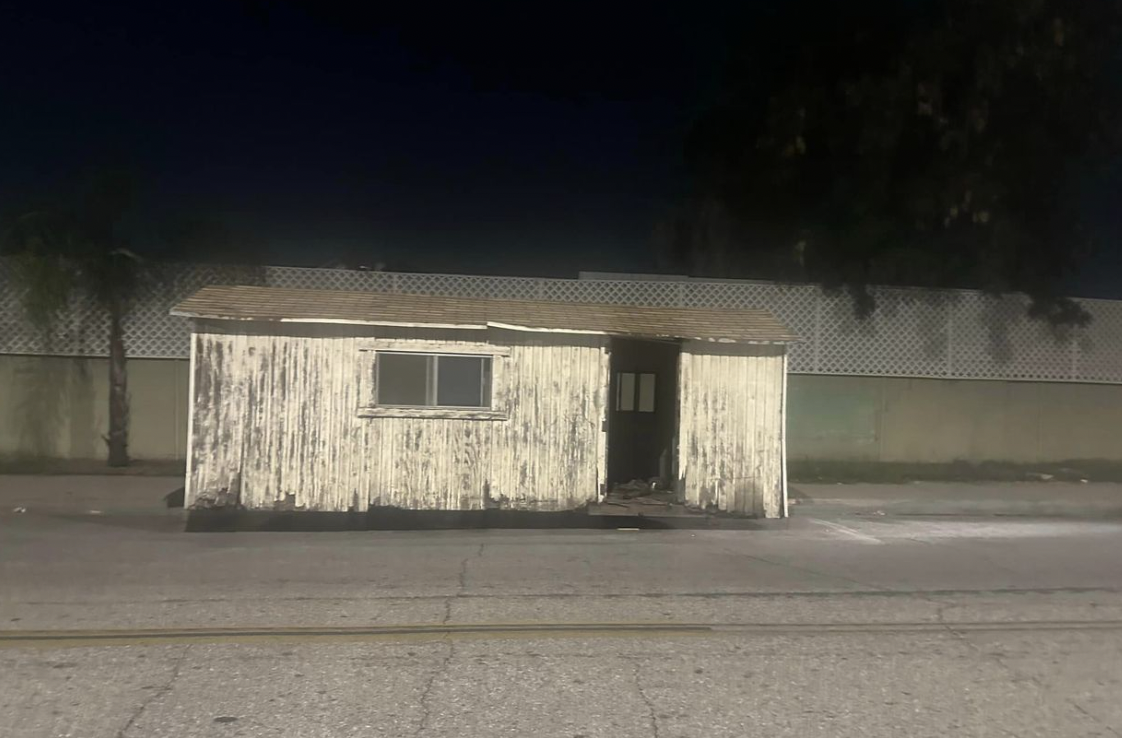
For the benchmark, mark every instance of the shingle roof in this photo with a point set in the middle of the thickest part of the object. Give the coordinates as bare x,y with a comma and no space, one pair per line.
372,308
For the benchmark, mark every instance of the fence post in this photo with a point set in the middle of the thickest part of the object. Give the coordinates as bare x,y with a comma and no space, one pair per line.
951,305
818,296
1074,354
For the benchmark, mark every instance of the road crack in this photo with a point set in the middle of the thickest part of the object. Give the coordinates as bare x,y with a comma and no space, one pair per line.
464,567
651,714
461,581
1013,672
156,695
426,709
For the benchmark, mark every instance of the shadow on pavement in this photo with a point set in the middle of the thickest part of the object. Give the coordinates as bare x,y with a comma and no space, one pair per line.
395,519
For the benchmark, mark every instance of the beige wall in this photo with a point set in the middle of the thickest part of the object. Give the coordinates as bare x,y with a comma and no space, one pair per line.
932,420
56,407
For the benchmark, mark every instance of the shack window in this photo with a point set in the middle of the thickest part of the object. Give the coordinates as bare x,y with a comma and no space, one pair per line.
635,392
432,380
625,392
646,393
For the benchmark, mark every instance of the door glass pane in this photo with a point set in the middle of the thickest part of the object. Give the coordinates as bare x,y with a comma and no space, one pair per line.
402,378
463,381
646,393
625,392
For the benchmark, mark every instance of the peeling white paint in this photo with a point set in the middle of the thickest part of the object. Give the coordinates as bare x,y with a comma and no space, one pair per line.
783,438
285,420
276,419
730,436
384,323
190,418
532,329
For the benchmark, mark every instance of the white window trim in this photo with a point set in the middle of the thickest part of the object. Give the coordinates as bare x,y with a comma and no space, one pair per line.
368,349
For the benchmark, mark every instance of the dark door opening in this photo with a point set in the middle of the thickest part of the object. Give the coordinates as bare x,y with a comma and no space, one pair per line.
643,416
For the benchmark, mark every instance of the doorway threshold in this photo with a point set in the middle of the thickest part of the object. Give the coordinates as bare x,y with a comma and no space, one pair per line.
646,508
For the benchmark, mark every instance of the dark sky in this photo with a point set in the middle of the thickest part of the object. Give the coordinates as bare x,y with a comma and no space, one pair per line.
529,139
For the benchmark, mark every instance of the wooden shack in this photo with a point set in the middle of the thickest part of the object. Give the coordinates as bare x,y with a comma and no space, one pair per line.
337,401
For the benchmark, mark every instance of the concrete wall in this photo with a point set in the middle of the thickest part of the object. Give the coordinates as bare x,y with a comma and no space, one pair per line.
934,420
56,407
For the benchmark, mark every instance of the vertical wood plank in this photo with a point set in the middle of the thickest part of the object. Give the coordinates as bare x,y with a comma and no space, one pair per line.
279,412
731,427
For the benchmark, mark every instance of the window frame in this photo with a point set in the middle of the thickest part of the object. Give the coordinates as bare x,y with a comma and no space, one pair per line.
635,396
369,349
433,373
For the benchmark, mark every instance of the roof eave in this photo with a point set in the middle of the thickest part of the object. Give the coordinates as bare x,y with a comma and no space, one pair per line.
483,326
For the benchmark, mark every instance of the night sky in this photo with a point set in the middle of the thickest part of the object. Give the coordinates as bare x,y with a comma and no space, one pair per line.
524,140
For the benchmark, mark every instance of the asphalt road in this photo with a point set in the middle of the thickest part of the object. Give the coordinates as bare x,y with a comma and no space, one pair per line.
843,626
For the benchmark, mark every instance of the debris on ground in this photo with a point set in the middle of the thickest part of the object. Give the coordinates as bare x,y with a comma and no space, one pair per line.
19,509
652,497
634,488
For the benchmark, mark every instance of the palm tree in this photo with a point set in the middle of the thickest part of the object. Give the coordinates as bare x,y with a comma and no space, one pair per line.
75,252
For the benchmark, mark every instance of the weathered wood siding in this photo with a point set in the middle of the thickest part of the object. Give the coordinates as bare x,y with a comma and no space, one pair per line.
275,420
552,454
730,441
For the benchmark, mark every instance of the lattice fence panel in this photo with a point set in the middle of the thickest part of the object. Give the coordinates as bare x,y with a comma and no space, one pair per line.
150,331
78,331
994,338
328,279
906,336
913,333
1098,348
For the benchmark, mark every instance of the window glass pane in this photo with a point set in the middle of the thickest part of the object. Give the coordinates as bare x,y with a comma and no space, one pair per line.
463,381
625,392
646,393
403,378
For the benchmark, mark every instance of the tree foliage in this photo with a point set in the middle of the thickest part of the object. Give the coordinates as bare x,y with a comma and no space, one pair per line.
74,245
75,249
933,143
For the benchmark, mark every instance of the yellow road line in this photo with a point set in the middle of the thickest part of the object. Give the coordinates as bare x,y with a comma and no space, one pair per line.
156,636
138,636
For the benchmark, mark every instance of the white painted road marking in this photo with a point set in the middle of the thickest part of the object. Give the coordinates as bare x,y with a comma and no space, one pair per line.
849,532
891,530
1004,529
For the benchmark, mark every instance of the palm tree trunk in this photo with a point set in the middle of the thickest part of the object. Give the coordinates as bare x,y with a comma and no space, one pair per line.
118,439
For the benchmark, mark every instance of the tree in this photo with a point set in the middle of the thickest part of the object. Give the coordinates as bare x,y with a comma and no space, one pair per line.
930,143
78,251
